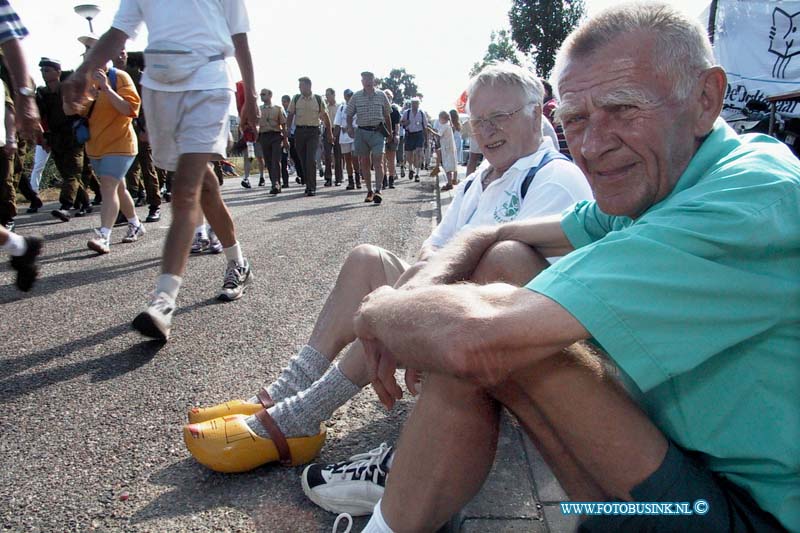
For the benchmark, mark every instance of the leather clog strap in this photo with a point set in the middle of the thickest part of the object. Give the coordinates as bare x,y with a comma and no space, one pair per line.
265,399
277,436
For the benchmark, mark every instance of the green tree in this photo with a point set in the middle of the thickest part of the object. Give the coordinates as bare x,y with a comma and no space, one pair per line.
501,48
539,27
402,85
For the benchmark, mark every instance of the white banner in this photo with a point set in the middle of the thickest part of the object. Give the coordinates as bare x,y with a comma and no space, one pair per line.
758,43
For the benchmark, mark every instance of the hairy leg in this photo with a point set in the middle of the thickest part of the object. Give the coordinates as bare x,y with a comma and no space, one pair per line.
361,273
600,444
216,211
444,455
186,188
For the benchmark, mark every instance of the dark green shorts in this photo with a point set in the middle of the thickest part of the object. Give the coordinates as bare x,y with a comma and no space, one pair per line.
682,478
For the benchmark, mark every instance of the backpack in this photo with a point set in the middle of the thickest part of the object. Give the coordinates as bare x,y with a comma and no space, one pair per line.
80,127
526,183
318,97
407,117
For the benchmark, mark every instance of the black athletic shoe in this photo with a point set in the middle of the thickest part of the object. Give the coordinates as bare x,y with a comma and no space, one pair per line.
10,224
61,214
154,215
246,183
36,203
25,264
121,220
376,198
262,182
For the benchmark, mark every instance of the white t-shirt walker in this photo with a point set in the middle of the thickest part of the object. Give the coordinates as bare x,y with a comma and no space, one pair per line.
205,26
341,121
556,186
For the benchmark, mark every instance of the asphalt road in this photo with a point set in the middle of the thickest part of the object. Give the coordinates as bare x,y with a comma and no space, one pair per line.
90,426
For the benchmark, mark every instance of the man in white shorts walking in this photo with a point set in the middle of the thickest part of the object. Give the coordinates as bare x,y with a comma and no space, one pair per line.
186,95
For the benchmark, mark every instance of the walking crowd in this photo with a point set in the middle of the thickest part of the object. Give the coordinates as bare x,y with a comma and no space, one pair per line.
623,280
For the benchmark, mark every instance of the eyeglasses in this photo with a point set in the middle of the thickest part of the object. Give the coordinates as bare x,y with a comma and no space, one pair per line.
496,121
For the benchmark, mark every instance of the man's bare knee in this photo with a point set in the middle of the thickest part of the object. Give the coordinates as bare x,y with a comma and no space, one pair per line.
510,262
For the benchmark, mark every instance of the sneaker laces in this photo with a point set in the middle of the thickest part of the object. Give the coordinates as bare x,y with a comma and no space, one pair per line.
161,303
364,466
345,516
233,275
99,235
133,229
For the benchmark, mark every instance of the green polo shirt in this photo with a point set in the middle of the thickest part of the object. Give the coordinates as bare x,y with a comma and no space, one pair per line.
698,302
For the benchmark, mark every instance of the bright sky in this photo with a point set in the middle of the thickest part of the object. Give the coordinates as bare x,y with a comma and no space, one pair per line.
436,40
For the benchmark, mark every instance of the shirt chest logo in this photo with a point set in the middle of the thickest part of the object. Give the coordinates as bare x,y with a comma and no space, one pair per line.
509,209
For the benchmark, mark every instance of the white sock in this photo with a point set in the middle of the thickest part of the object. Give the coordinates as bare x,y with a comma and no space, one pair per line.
169,284
377,524
106,233
201,229
15,245
234,253
134,221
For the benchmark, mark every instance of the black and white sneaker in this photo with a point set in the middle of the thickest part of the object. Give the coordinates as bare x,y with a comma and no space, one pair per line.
25,264
156,321
237,278
246,183
353,486
134,232
199,243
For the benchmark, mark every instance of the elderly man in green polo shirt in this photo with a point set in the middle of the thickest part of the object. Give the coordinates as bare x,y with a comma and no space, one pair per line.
685,272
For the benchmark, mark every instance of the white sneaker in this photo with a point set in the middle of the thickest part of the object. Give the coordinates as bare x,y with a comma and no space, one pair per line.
134,232
100,243
156,320
237,278
214,246
199,243
353,486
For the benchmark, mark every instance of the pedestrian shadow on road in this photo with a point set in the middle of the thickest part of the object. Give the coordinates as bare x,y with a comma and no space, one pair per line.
131,358
48,285
315,212
102,369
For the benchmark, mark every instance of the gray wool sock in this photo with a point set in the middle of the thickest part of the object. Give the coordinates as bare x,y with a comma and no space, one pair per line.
301,415
302,371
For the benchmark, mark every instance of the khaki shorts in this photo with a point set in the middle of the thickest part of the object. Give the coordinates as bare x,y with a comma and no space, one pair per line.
346,147
393,266
189,122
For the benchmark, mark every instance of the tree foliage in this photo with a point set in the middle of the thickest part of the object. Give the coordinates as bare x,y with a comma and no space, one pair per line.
402,85
501,48
539,27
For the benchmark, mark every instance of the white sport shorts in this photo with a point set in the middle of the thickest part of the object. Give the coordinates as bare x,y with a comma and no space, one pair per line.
189,122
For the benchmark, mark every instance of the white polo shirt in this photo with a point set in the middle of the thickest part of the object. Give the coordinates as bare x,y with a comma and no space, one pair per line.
557,186
341,121
205,26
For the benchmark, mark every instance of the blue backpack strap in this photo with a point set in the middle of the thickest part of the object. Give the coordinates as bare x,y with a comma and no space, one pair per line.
549,156
468,184
112,78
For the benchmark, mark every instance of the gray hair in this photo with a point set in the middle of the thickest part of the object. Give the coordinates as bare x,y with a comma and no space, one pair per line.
682,48
504,73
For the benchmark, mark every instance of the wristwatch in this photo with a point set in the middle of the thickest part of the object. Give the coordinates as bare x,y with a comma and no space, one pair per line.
26,91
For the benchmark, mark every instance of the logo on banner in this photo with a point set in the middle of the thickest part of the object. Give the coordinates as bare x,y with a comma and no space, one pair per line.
783,40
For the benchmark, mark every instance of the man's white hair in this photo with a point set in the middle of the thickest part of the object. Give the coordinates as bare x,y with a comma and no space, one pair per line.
682,49
503,73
